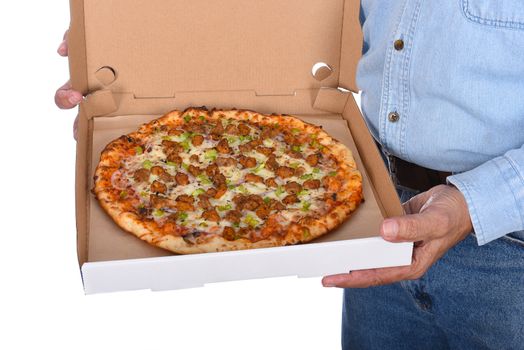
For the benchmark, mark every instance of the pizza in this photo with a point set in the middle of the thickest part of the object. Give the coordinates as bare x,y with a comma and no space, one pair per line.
202,180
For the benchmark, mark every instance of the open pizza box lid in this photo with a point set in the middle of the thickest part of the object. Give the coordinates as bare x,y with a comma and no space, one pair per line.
137,59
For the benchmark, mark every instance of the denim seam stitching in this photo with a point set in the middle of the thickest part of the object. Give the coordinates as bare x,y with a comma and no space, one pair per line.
406,69
489,22
473,213
386,83
515,167
385,99
507,159
400,103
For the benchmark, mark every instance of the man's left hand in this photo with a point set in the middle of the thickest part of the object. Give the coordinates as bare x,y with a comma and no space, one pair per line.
437,220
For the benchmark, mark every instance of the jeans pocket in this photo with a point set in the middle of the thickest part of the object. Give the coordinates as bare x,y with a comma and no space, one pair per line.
515,238
496,13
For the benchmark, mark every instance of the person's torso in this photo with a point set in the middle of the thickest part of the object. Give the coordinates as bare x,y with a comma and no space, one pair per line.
457,84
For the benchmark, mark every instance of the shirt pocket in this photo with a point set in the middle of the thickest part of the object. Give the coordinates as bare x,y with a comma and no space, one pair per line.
496,13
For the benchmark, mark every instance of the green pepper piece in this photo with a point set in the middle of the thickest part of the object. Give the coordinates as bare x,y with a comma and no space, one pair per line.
305,233
147,164
139,150
198,192
225,207
251,221
231,139
204,179
158,213
186,145
259,168
317,145
211,154
244,138
306,206
303,193
296,148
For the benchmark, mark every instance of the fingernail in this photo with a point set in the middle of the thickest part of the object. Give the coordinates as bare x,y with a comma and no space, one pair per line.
74,99
389,229
328,284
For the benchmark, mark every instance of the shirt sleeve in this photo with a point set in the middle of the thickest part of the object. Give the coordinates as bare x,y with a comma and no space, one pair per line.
494,192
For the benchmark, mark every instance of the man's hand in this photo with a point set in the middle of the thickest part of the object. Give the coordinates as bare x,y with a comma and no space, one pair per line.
65,96
437,220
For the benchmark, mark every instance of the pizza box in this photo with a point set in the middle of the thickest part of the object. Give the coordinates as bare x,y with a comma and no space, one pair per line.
136,60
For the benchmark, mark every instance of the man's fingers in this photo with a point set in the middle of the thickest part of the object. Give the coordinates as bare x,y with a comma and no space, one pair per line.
423,258
416,203
66,97
368,278
63,48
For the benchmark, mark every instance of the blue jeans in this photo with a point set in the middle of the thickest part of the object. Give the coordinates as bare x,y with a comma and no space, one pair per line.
472,298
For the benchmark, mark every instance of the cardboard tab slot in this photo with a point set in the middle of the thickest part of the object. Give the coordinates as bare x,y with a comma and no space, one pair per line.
275,93
321,71
106,75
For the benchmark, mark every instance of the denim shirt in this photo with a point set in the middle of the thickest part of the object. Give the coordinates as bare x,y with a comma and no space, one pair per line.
456,82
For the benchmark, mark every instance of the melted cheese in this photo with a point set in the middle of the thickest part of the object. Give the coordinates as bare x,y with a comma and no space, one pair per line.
154,155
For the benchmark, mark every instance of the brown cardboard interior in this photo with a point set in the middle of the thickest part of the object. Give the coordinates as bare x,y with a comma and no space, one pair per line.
268,47
106,241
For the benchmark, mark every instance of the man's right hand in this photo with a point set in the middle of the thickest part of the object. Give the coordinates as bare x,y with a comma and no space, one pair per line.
65,96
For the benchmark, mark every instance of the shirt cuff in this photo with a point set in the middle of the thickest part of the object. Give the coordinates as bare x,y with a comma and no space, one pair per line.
494,193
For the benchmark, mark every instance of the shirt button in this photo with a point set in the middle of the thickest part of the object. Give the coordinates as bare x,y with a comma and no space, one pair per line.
398,44
393,117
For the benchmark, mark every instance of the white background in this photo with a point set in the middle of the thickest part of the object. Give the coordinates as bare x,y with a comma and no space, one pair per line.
42,304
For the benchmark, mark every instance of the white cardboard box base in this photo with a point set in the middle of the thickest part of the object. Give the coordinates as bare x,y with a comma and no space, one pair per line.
186,271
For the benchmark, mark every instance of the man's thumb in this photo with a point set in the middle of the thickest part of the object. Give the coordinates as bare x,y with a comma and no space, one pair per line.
409,228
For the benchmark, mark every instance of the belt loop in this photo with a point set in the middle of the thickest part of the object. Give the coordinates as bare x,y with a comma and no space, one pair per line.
393,170
392,164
